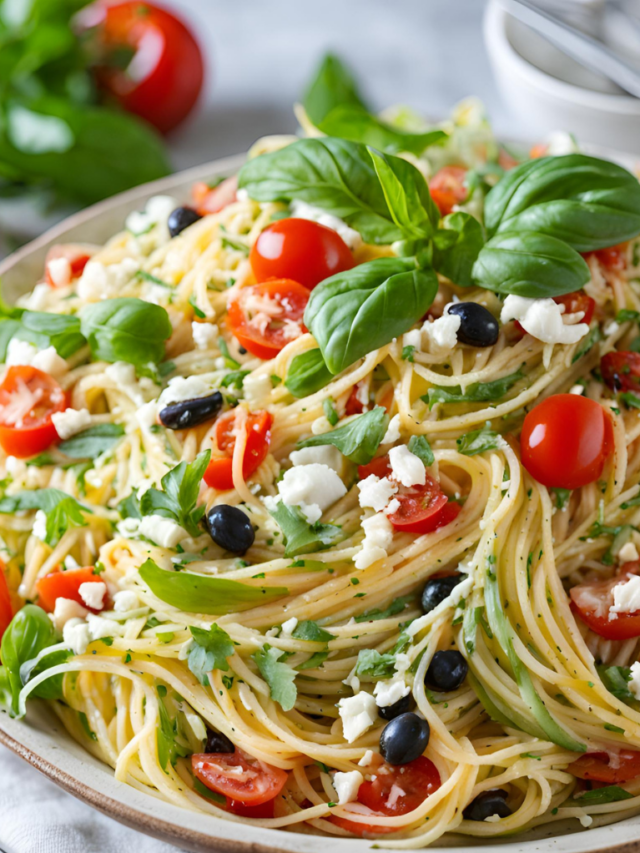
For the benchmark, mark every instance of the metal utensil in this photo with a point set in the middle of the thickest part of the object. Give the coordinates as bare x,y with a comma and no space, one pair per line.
584,49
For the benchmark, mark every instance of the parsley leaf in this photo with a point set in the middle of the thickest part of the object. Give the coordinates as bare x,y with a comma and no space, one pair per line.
478,392
209,650
279,676
169,750
62,511
375,665
313,662
616,680
359,439
92,442
479,441
179,495
419,446
562,497
310,630
396,606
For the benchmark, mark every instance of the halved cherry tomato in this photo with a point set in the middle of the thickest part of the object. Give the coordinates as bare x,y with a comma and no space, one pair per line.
565,441
591,600
392,792
538,150
6,610
208,199
600,767
573,302
621,370
28,398
163,77
447,188
299,249
264,810
239,776
65,585
423,509
219,470
77,257
506,160
613,257
354,405
266,317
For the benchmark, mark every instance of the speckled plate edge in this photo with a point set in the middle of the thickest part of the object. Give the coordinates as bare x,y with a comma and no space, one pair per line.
42,741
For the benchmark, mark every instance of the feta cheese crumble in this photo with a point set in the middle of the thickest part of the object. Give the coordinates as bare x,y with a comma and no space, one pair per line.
358,713
302,210
390,691
628,553
93,593
626,597
102,282
326,454
256,390
39,528
543,319
289,626
205,335
376,492
393,431
378,536
163,531
125,600
156,212
313,488
66,610
443,332
347,786
70,422
407,468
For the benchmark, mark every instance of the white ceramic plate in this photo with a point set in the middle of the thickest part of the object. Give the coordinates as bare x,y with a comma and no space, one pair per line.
41,739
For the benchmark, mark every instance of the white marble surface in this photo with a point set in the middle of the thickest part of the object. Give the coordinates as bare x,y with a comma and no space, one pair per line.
426,53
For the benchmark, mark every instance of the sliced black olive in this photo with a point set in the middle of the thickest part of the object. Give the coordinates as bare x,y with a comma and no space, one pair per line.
190,413
181,218
446,671
437,589
404,739
487,804
230,528
400,707
478,326
217,742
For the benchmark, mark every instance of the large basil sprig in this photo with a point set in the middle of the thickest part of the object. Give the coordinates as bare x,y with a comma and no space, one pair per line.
357,311
126,329
407,195
586,202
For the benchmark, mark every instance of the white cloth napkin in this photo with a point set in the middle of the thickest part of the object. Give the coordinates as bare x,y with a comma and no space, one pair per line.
38,817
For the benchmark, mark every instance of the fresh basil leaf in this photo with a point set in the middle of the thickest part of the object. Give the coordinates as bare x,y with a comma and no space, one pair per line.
332,85
358,440
530,264
456,246
230,363
206,792
209,650
374,665
421,448
65,515
407,195
92,442
479,441
29,632
364,308
583,201
169,748
301,537
130,507
330,411
627,315
8,329
312,632
356,123
333,174
207,594
478,392
126,329
280,677
632,401
316,660
235,379
307,374
62,511
602,796
179,495
61,331
616,680
396,606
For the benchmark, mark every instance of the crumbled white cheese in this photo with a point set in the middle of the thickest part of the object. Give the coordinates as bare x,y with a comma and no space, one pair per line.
99,627
560,142
626,597
413,338
20,352
128,527
376,492
102,282
347,786
76,635
634,681
611,327
59,270
393,431
366,759
456,595
576,389
70,422
156,212
256,390
378,536
147,415
93,593
39,528
443,332
390,691
125,600
185,388
289,626
407,468
326,454
205,335
162,531
39,297
313,488
65,610
392,506
16,468
302,210
124,376
492,818
47,360
70,563
358,713
628,553
543,319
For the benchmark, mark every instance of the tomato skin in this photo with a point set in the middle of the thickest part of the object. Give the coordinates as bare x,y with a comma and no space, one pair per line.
565,441
167,51
613,257
354,405
506,160
264,810
65,585
538,150
621,370
37,431
208,199
219,470
6,610
596,766
299,249
261,783
591,601
77,255
447,188
267,342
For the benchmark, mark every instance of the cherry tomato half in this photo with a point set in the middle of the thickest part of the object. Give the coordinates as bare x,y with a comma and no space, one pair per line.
413,783
621,370
76,256
208,199
162,80
28,398
299,249
591,601
613,257
565,441
219,470
266,317
447,188
354,405
239,776
6,610
598,767
65,585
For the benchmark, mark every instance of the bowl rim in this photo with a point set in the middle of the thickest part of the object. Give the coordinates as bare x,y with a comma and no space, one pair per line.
498,44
